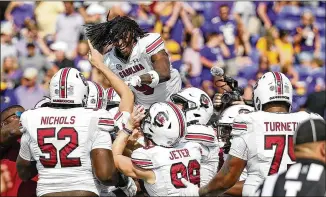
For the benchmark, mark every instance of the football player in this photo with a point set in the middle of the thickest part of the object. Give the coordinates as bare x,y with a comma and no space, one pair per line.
224,128
198,109
262,141
138,58
67,140
164,160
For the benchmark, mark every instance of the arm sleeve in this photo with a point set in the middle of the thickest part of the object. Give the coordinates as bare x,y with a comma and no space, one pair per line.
24,151
105,122
99,135
102,140
239,148
141,159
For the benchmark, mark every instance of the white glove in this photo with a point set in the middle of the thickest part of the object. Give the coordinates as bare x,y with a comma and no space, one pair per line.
134,81
190,190
130,189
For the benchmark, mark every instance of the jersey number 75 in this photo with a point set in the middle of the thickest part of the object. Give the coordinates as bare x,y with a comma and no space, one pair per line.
279,141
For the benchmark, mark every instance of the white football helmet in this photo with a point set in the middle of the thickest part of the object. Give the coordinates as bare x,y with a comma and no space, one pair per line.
113,98
164,124
68,86
197,105
45,102
97,96
224,125
271,87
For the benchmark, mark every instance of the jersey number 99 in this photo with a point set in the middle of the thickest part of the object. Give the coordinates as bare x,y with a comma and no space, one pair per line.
51,150
190,173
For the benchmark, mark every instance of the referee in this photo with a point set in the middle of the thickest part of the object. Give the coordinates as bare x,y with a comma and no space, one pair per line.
307,176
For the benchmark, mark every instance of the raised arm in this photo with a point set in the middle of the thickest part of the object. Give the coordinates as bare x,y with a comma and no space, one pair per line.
124,164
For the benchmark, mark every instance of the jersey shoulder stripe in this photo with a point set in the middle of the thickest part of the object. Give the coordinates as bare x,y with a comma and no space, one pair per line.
117,116
154,45
143,163
106,122
200,137
239,126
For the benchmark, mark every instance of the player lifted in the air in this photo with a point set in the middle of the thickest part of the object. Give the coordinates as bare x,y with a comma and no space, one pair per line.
138,58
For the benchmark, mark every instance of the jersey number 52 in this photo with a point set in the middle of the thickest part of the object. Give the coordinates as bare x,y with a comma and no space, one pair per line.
51,150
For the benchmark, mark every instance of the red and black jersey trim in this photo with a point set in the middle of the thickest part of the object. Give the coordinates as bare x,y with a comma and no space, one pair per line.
118,115
106,122
154,45
278,82
110,94
99,95
239,126
142,162
63,83
180,119
200,137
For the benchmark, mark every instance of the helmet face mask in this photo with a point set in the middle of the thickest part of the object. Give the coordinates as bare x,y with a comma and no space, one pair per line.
195,103
164,124
224,131
186,104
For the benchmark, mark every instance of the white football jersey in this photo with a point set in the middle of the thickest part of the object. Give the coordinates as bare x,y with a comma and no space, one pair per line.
206,137
169,166
60,141
140,63
265,141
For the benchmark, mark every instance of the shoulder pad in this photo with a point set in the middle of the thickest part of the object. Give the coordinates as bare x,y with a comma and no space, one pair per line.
241,124
202,134
107,58
315,116
142,159
23,122
152,42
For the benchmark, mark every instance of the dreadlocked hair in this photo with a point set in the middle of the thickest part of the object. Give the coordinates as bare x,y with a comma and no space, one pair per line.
120,28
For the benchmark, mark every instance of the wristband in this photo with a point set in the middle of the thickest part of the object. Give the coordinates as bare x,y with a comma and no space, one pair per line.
155,78
127,131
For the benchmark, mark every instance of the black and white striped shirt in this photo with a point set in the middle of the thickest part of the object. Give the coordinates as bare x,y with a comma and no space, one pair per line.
305,178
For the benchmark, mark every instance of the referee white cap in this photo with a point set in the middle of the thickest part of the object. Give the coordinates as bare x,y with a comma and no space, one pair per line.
309,131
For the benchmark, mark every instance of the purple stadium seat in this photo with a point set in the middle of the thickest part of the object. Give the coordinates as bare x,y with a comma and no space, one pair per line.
287,11
248,72
303,72
288,25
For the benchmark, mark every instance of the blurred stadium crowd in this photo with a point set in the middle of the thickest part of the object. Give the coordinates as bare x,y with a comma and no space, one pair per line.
247,39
